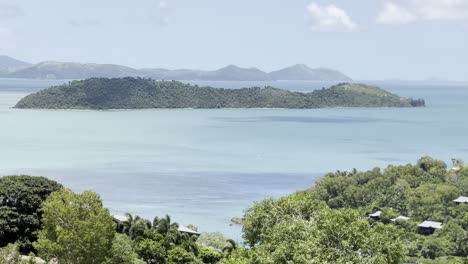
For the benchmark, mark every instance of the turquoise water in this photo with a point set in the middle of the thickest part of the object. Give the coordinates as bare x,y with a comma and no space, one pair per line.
205,166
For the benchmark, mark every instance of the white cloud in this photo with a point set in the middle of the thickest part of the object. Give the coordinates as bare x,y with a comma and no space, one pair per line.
407,11
395,14
329,18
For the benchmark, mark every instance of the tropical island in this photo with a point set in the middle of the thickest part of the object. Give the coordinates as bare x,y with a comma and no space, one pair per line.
140,93
401,214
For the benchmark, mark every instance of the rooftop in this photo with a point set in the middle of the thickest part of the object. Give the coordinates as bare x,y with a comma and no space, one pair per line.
185,229
461,199
120,218
430,224
376,214
401,217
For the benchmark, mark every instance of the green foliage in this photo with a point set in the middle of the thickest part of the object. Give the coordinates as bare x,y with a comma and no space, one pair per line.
21,199
327,223
122,251
441,260
178,255
76,228
135,226
160,241
10,254
210,256
152,252
215,240
332,236
432,201
137,93
231,246
241,256
260,219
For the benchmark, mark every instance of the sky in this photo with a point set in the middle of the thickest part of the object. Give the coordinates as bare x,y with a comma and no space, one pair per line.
365,39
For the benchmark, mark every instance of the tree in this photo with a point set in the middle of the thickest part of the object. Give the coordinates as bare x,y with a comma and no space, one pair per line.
231,245
151,252
169,230
21,199
122,251
10,254
178,255
432,201
135,226
241,256
334,236
76,229
433,170
189,243
210,256
215,240
164,225
260,219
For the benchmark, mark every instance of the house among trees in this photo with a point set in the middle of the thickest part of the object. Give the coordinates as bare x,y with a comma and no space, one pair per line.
400,218
190,232
375,215
119,219
428,227
461,199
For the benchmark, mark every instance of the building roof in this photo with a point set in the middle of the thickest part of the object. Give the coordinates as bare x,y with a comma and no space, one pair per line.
461,199
185,229
120,218
401,217
376,214
430,224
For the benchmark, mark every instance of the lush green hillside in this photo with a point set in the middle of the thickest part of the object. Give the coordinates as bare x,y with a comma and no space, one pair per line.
138,93
328,223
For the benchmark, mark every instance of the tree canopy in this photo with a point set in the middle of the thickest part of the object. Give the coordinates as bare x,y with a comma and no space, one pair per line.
328,223
137,93
21,199
76,229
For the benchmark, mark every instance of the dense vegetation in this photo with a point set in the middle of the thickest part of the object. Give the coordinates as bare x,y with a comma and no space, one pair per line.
327,223
21,198
137,93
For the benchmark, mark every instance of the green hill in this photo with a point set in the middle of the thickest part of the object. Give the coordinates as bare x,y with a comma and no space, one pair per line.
138,93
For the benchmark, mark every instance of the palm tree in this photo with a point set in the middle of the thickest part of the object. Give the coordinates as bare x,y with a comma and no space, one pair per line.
135,226
164,225
169,230
155,222
171,239
230,247
189,243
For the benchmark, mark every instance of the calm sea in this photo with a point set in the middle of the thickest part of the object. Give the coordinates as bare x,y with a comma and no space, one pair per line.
206,166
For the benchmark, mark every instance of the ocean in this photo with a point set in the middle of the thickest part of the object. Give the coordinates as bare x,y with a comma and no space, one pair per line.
204,167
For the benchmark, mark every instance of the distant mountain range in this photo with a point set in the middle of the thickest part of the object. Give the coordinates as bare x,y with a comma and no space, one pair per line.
12,68
9,65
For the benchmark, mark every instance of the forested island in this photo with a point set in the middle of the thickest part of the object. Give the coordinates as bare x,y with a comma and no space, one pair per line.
139,93
378,216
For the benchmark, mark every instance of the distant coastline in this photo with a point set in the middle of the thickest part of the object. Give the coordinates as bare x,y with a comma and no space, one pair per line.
54,70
